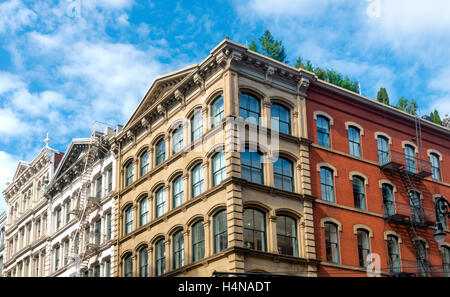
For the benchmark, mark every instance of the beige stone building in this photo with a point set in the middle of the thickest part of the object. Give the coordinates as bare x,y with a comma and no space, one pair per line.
198,191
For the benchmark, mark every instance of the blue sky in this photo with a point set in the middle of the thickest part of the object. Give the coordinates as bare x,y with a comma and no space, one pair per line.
62,69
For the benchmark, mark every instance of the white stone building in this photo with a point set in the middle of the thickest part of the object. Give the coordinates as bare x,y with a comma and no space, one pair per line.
2,239
27,228
81,210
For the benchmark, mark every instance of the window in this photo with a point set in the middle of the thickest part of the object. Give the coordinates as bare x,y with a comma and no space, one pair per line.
327,184
217,113
108,226
363,246
196,125
97,231
197,180
143,209
287,236
283,174
445,260
143,262
58,219
388,200
280,118
160,258
220,231
254,229
128,266
383,150
249,108
109,176
354,141
323,131
435,167
178,250
393,253
410,158
107,268
98,187
218,168
178,191
97,271
422,262
331,243
160,154
198,241
416,207
144,162
57,250
252,167
160,202
129,220
67,208
177,140
359,195
129,171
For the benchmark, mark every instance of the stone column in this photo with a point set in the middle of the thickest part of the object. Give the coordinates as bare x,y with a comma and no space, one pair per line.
150,158
230,94
151,204
265,113
272,234
168,204
167,247
206,178
209,246
205,119
135,267
187,248
186,194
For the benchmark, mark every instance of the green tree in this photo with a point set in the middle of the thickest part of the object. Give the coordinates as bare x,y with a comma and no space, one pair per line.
412,107
382,96
402,104
271,47
253,46
435,118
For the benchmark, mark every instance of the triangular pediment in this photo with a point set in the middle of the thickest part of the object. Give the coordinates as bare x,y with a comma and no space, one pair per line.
76,148
160,87
21,167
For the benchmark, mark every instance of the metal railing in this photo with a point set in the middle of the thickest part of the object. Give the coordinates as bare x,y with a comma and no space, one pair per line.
398,160
418,214
419,268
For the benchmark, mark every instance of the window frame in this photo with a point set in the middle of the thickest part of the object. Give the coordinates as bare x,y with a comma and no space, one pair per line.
217,115
332,245
254,229
282,175
143,262
177,140
144,167
128,220
178,249
354,144
383,149
197,180
330,172
160,152
393,242
359,197
247,109
177,195
273,119
252,170
220,236
160,194
196,125
291,239
160,257
435,168
362,242
129,174
218,174
322,131
198,242
143,215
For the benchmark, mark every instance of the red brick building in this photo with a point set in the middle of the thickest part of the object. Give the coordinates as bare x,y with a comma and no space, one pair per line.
365,158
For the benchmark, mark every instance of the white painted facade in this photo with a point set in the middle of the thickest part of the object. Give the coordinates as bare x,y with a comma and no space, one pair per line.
2,239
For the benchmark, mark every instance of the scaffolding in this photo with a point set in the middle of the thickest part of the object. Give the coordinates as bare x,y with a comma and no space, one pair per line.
87,203
410,171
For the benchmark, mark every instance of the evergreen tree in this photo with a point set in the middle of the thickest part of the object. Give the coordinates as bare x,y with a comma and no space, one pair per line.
402,104
271,47
253,46
382,96
412,107
435,118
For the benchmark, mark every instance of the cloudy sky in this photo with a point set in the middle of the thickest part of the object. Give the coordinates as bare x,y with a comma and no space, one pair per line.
65,64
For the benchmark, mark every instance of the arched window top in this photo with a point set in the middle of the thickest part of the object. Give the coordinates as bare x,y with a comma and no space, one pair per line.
329,220
355,126
359,176
390,233
384,135
387,183
324,115
362,227
431,152
423,241
327,166
410,145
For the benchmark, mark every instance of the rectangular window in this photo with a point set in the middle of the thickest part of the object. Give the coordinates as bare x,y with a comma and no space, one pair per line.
196,126
327,184
97,271
98,187
354,141
160,203
108,226
107,268
58,219
331,243
383,150
57,250
67,208
98,231
109,176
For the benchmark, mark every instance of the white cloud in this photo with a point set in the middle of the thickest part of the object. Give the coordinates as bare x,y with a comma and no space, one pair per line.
9,82
14,16
8,166
11,125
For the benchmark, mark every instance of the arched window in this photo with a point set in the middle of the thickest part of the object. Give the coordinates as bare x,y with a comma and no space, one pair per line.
435,167
197,180
383,149
128,266
160,257
327,184
421,257
359,195
254,229
220,231
249,108
129,174
160,202
416,206
129,220
363,246
178,250
354,141
177,140
446,260
331,242
196,125
160,152
388,200
287,236
178,191
217,111
410,158
198,241
143,161
252,167
393,253
143,262
280,118
283,174
218,168
143,211
323,131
